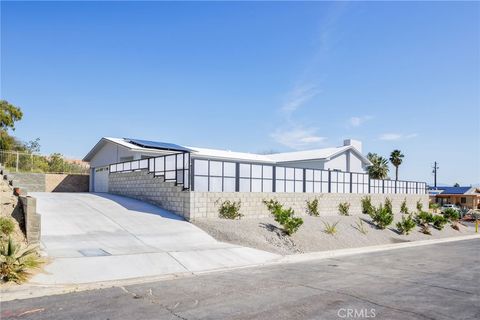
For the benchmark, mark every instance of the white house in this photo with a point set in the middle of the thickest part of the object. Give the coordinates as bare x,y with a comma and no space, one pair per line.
108,151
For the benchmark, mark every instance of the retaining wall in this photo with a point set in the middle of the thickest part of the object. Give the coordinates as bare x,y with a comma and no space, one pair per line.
191,205
32,219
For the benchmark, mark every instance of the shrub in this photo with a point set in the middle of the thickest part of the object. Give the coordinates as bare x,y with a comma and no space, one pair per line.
388,205
406,225
439,222
403,207
434,207
283,216
367,207
423,219
6,226
452,215
343,208
312,207
419,206
230,210
15,262
361,226
330,228
382,217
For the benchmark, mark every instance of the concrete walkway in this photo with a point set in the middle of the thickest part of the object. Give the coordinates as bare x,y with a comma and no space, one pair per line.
102,237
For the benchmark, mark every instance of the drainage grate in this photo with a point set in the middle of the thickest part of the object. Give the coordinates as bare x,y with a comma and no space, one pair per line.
94,252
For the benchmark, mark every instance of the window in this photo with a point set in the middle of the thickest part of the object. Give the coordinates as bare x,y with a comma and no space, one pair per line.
123,159
463,200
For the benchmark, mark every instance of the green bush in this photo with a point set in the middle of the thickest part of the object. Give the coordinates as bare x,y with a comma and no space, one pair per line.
434,207
423,219
16,262
406,225
403,207
283,216
452,216
312,207
230,209
388,205
6,226
367,207
439,222
382,217
419,206
330,228
343,208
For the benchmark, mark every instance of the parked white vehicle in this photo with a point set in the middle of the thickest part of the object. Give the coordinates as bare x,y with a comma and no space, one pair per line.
449,206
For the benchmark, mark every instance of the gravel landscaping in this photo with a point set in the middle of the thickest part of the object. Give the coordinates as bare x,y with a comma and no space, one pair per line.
265,233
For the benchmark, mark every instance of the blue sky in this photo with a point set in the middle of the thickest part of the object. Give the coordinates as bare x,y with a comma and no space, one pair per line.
251,77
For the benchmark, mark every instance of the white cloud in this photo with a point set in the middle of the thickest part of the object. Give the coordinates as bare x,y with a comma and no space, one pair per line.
298,138
396,136
299,96
358,121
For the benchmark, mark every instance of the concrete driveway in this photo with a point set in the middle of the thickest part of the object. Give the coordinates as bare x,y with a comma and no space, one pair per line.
103,237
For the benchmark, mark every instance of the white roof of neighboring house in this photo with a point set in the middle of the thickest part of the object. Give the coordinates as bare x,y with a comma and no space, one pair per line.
316,154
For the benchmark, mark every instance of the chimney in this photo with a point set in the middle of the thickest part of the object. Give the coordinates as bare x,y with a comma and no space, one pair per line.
355,143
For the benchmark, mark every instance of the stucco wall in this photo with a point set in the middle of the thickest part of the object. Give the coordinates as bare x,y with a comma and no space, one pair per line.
143,186
66,182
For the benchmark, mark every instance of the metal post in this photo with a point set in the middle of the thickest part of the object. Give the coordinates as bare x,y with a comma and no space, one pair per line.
383,186
274,179
329,181
304,180
237,177
369,183
351,185
192,174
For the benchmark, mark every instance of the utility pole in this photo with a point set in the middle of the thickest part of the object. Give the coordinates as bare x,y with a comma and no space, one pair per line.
435,168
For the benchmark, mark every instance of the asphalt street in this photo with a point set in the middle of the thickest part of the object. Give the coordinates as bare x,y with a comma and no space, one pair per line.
439,281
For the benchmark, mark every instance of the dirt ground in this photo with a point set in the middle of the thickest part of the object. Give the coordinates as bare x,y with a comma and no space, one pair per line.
265,233
10,207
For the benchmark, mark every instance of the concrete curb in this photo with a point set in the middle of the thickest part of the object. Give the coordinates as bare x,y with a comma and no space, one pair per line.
28,291
385,247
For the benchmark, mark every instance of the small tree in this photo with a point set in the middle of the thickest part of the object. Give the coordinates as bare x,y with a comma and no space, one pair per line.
312,207
452,216
403,207
423,219
419,205
382,217
343,208
388,205
285,217
396,158
406,225
229,209
367,207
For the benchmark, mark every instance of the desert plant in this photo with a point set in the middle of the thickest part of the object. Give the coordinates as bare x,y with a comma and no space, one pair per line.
423,219
406,225
230,209
419,206
452,216
403,207
283,216
312,207
388,205
6,226
343,208
15,262
367,207
382,217
434,207
439,222
330,228
396,158
360,226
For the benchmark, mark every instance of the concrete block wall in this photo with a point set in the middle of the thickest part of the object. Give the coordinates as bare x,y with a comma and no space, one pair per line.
33,182
32,219
206,204
144,186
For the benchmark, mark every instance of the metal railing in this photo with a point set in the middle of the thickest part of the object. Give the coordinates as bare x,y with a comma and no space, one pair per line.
18,161
173,167
229,176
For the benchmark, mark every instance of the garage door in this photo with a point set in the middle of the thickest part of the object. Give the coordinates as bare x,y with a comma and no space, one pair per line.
100,180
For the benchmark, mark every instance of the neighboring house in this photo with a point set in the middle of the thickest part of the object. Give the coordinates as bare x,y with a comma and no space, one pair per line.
461,196
346,158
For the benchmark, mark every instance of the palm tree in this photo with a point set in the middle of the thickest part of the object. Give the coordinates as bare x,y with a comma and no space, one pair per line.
379,167
396,158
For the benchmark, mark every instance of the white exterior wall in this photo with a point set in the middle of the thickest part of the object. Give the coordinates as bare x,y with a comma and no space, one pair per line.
337,163
356,164
308,164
